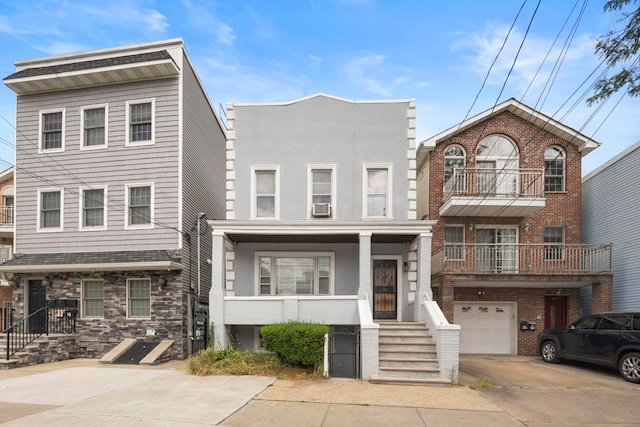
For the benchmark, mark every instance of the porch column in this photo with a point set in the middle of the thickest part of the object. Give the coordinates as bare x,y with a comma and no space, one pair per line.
216,294
424,275
364,286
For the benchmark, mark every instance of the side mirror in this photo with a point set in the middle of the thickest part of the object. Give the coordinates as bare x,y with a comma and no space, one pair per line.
571,328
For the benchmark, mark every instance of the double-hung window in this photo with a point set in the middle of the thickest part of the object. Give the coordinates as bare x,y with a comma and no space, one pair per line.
554,240
50,210
92,298
140,122
93,208
139,206
295,273
138,298
454,241
376,189
554,169
52,130
265,193
94,127
321,191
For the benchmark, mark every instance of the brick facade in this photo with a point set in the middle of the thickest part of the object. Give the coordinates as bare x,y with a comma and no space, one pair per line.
563,209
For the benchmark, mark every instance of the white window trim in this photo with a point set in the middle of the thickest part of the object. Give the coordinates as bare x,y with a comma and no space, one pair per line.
464,240
152,141
562,244
389,210
40,130
301,254
334,187
128,226
39,213
150,298
82,282
254,200
399,274
564,168
83,142
81,206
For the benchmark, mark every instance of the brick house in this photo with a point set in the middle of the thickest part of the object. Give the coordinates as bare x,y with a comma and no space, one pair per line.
504,188
6,241
119,162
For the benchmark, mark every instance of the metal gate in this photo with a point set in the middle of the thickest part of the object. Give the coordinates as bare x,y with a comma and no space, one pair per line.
200,325
344,351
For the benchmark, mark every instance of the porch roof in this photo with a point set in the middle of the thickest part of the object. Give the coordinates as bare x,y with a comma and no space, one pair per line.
87,261
320,231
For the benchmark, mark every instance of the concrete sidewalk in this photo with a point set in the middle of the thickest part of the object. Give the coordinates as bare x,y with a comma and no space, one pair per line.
83,393
340,402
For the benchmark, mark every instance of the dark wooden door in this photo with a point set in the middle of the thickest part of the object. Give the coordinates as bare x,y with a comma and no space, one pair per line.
555,312
385,289
37,300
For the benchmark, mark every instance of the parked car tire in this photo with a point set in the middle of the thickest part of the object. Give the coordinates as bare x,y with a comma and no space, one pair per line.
549,352
629,367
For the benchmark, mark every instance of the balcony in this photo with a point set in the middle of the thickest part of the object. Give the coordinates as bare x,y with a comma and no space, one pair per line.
493,192
6,216
538,259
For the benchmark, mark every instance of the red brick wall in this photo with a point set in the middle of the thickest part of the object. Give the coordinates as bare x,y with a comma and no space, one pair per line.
561,209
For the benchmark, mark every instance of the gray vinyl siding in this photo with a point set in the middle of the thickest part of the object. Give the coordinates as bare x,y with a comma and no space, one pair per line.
113,167
327,131
203,185
610,206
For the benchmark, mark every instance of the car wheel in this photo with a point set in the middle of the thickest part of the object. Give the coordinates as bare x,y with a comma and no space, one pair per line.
630,367
549,352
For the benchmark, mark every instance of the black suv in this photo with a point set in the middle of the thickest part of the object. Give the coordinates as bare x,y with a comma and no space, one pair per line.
609,339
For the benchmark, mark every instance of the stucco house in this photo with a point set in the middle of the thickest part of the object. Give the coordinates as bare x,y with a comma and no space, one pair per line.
610,199
120,160
321,225
504,190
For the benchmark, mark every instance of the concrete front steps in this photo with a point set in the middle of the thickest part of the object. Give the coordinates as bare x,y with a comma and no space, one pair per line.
407,356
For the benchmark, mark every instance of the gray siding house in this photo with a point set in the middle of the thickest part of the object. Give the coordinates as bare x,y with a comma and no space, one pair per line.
321,226
610,203
120,160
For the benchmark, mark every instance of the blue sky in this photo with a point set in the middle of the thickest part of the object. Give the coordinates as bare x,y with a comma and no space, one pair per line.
436,51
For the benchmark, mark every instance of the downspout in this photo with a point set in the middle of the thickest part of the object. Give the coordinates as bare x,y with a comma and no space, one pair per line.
200,216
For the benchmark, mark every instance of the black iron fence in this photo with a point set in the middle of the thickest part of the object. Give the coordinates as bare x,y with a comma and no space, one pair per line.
57,317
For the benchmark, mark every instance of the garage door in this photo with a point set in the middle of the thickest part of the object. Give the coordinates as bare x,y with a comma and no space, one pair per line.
485,328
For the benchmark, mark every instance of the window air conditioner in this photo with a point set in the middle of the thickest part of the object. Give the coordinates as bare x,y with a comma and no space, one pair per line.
321,210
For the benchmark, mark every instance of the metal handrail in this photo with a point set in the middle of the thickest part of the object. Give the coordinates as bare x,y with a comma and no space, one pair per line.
522,258
43,321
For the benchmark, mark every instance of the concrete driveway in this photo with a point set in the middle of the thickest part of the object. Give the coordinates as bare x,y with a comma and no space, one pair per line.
542,394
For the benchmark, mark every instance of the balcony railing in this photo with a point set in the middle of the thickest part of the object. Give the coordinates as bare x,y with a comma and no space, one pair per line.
522,259
481,182
6,215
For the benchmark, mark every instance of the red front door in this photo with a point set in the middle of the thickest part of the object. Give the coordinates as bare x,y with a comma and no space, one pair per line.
555,312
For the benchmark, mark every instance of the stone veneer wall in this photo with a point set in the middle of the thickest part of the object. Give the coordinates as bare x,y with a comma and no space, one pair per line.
98,336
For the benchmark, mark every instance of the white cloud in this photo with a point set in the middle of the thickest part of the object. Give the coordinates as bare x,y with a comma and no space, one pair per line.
371,72
225,34
149,19
58,47
480,50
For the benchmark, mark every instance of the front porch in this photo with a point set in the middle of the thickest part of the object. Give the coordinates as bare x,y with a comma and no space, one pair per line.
330,273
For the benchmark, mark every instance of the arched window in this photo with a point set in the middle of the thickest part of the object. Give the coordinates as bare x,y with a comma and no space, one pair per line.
554,169
454,157
497,159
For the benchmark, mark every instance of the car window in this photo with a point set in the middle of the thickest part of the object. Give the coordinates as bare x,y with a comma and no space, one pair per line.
636,323
589,322
615,322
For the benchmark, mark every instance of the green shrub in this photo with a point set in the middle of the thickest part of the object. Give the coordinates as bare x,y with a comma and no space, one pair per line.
296,343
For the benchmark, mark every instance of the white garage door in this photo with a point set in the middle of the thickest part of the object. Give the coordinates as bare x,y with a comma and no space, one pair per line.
485,328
